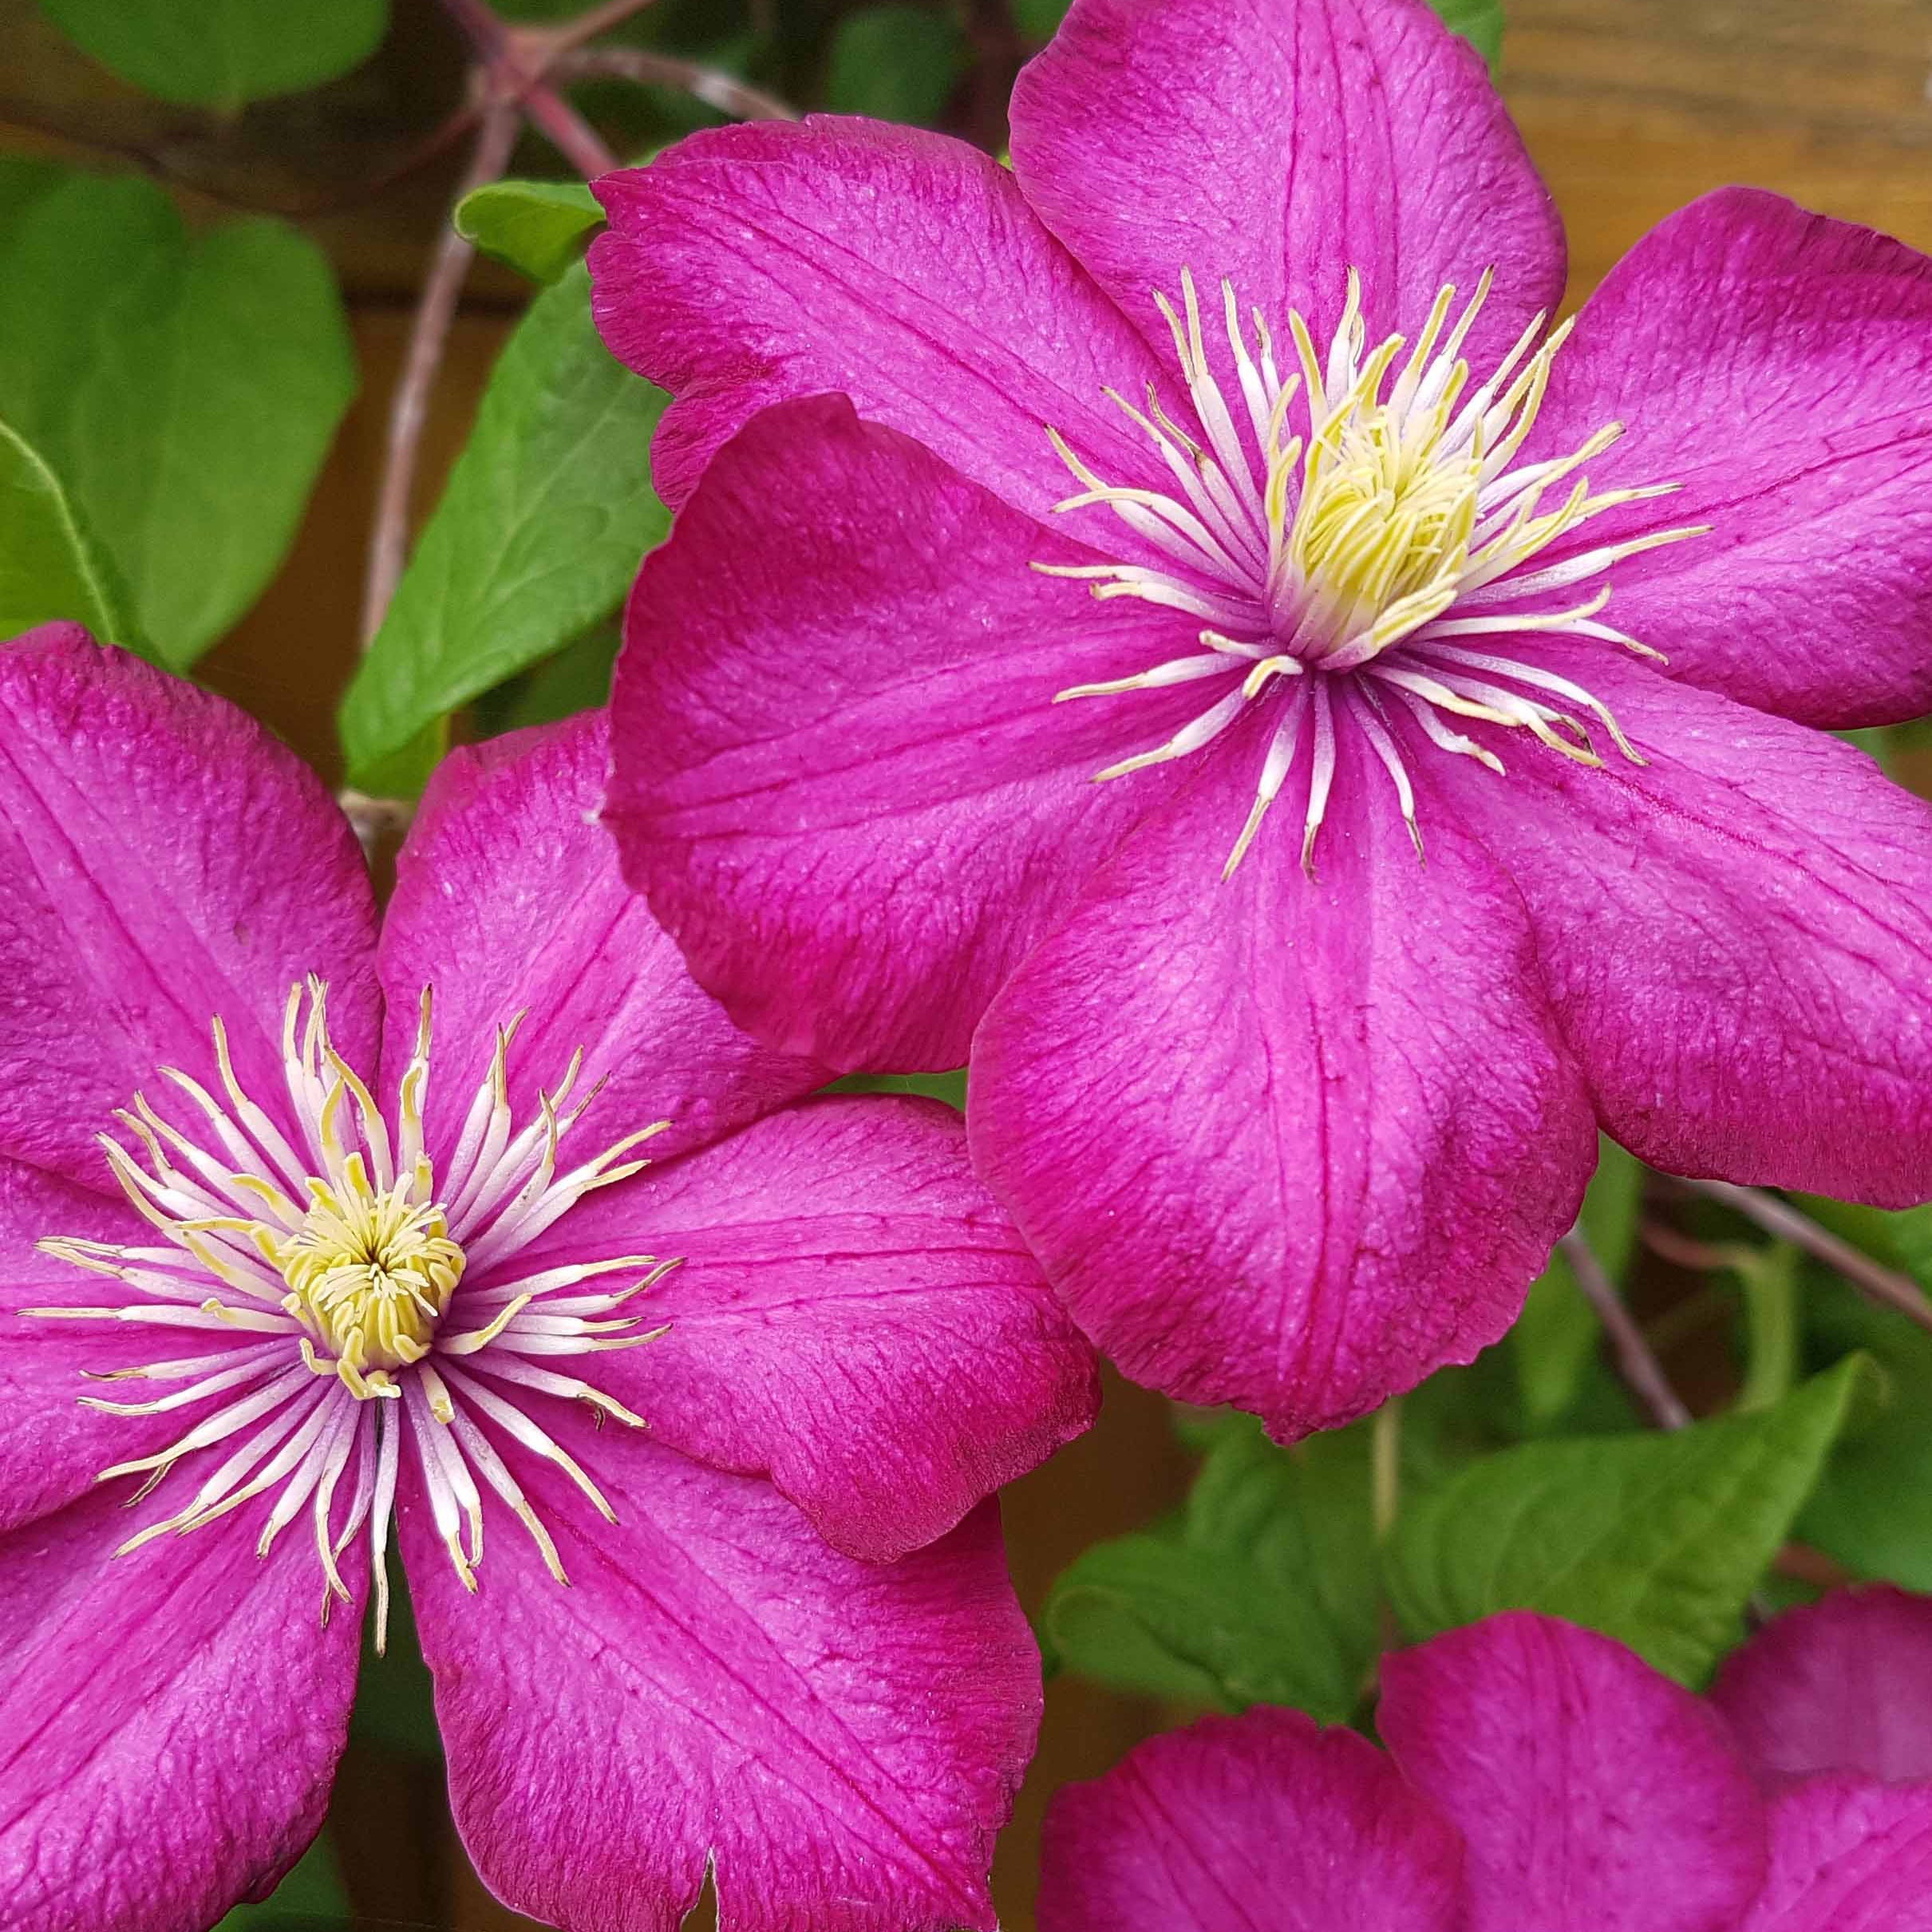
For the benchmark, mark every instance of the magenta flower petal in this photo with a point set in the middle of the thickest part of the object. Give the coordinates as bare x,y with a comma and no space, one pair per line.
1778,366
508,901
867,817
162,859
1738,938
1279,142
851,1315
1844,1684
169,1719
1848,1855
1287,1144
1593,1794
1238,1824
51,1447
840,1739
905,269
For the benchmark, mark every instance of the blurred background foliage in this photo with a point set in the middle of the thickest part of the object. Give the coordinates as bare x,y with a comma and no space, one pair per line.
268,417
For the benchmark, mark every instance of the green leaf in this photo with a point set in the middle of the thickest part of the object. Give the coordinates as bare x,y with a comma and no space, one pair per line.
895,63
1557,1335
578,678
1038,21
950,1087
1479,21
311,1895
221,53
548,509
1657,1540
538,228
184,390
1872,1508
51,566
1769,1277
1262,1591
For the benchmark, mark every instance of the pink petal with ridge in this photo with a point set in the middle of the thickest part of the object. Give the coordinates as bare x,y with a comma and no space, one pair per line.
1593,1794
1287,1143
840,772
1263,1823
162,860
748,265
1736,938
169,1719
508,901
840,1741
851,1315
1848,1855
1278,143
1844,1684
1777,365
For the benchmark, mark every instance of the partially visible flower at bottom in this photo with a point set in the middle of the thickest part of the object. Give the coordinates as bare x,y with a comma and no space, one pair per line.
497,1226
1539,1778
1842,1684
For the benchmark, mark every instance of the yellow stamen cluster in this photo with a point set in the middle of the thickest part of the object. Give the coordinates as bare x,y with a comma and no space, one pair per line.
1350,531
369,1273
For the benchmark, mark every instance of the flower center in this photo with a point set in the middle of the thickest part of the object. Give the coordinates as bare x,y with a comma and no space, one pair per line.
384,1285
369,1273
1382,530
1363,514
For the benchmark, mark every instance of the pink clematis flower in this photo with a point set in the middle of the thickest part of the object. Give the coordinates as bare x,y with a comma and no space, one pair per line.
1539,1778
1842,1684
1327,739
336,1226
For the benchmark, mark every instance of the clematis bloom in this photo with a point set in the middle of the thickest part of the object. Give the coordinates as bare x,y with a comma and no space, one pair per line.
322,1227
1842,1684
1539,1778
1177,619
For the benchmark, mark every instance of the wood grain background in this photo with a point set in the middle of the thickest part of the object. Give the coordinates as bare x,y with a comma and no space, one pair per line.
1631,107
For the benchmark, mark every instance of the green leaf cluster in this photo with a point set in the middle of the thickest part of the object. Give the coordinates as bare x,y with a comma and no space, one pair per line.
1265,1587
223,53
170,398
1658,1539
1262,1590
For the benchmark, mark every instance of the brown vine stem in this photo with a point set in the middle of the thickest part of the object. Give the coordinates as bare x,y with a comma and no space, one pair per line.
509,78
717,89
1776,1216
515,62
568,131
1641,1373
573,33
409,407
